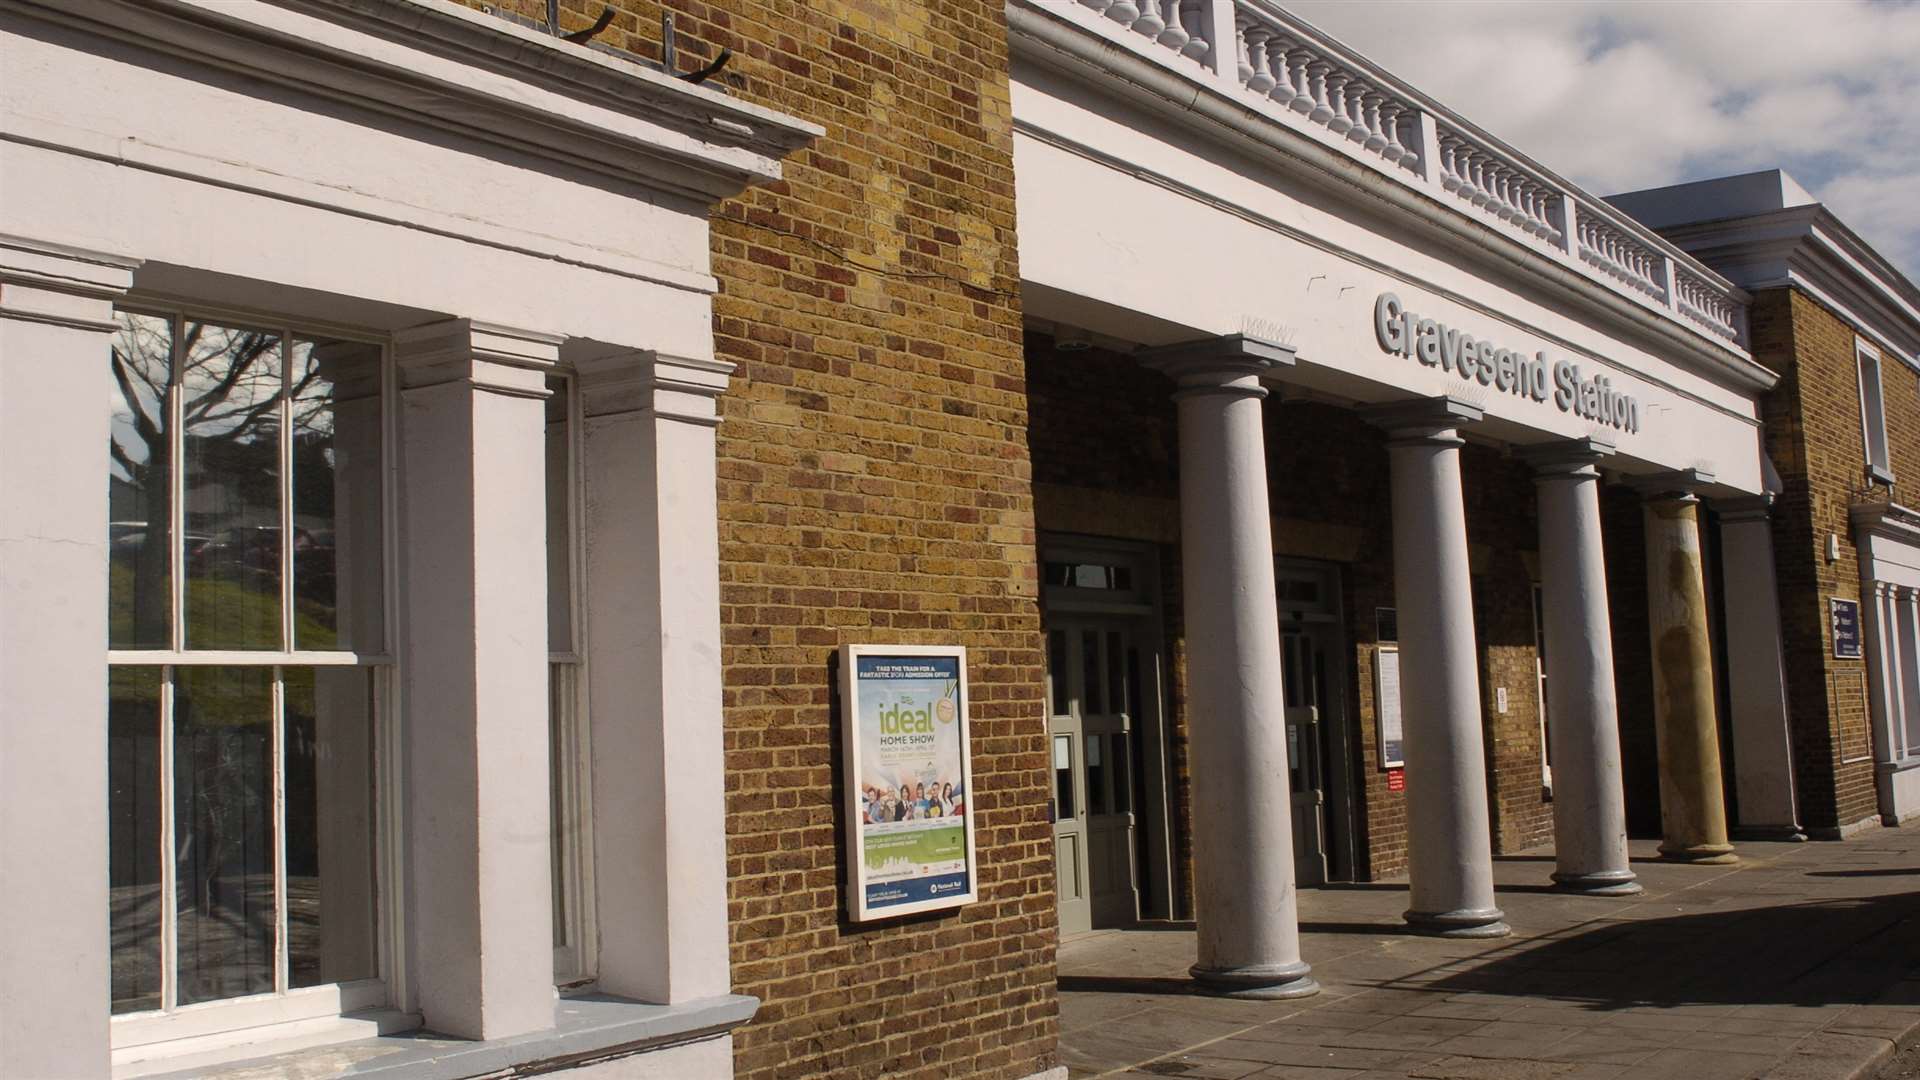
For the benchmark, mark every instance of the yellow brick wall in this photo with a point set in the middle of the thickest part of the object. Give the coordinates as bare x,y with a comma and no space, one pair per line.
874,488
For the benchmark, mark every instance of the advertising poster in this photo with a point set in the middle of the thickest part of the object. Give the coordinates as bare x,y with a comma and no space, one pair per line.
1846,627
910,835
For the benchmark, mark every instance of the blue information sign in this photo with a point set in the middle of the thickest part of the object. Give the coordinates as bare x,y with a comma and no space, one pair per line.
1845,617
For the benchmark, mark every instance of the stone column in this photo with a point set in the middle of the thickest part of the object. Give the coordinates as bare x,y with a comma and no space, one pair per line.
1693,812
1756,673
480,913
1906,632
1449,842
1589,799
1244,898
652,602
1883,669
56,331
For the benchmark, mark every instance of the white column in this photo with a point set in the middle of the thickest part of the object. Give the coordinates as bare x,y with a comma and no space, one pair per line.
473,574
1693,807
1756,673
1906,622
1244,897
1449,842
1589,798
1883,672
652,594
56,322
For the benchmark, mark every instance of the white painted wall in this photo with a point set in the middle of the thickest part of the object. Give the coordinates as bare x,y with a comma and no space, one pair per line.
1216,240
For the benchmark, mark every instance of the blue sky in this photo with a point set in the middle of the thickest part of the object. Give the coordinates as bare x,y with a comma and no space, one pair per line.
1622,95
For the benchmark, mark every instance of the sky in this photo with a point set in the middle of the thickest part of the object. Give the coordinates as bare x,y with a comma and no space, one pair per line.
1617,95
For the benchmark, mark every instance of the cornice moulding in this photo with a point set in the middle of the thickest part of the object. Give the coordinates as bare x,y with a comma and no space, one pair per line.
481,77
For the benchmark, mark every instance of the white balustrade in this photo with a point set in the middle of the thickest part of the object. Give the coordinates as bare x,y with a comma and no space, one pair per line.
1286,70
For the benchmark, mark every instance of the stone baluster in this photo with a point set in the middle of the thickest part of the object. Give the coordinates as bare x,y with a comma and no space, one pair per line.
1149,23
1337,81
1193,20
1241,51
1300,59
1376,135
1451,176
1357,129
1097,5
1261,78
1123,11
1174,36
1317,70
1391,115
1280,64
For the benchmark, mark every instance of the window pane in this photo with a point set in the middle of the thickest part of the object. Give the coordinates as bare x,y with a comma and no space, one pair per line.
1063,777
559,715
134,842
1090,686
140,591
1057,670
337,497
230,402
328,748
223,831
559,519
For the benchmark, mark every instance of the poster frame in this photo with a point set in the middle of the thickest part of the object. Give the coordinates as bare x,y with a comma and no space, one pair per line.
1380,653
856,878
1836,605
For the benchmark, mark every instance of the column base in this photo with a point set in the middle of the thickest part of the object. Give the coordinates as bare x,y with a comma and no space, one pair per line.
1462,923
1256,982
1598,883
1699,854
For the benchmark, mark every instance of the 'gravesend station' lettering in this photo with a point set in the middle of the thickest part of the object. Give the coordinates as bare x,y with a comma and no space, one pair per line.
1403,333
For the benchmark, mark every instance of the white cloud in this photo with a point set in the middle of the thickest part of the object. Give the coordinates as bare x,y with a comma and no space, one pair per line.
1624,95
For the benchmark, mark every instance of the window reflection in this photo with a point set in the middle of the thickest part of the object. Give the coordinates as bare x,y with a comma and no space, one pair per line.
230,402
223,831
134,843
337,556
139,511
328,748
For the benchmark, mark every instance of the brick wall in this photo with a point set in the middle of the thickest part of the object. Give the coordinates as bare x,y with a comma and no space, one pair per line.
1104,445
1813,436
873,488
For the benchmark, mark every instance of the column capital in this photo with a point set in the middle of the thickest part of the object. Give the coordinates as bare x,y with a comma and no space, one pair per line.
1679,485
1746,508
487,356
66,286
643,380
1566,458
1434,419
1232,364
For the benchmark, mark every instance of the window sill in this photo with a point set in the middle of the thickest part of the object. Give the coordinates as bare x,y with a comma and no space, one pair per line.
1911,761
590,1026
1878,475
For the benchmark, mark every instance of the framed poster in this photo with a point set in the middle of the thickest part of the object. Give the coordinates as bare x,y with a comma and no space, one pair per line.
1845,616
1386,705
909,779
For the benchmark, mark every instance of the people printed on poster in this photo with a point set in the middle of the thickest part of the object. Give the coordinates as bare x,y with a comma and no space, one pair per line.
913,825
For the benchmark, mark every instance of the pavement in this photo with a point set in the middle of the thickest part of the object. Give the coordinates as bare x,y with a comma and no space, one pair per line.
1801,962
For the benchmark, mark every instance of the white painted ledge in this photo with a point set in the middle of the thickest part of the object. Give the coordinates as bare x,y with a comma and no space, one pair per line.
590,1027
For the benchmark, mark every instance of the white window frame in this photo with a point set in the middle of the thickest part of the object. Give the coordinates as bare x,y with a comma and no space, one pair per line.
139,1033
1873,413
575,959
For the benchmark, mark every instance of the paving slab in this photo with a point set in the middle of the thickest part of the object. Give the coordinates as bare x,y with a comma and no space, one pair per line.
1801,962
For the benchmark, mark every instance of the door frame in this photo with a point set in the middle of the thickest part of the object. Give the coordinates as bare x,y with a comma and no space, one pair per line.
1140,608
1341,736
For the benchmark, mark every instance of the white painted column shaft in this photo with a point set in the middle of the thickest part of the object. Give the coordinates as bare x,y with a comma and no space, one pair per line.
1589,798
653,667
1245,901
56,322
473,436
1883,676
1756,673
1449,841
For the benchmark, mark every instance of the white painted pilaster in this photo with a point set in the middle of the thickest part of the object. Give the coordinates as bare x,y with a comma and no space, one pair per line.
474,584
1756,673
653,667
1589,796
56,322
1244,896
1449,839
